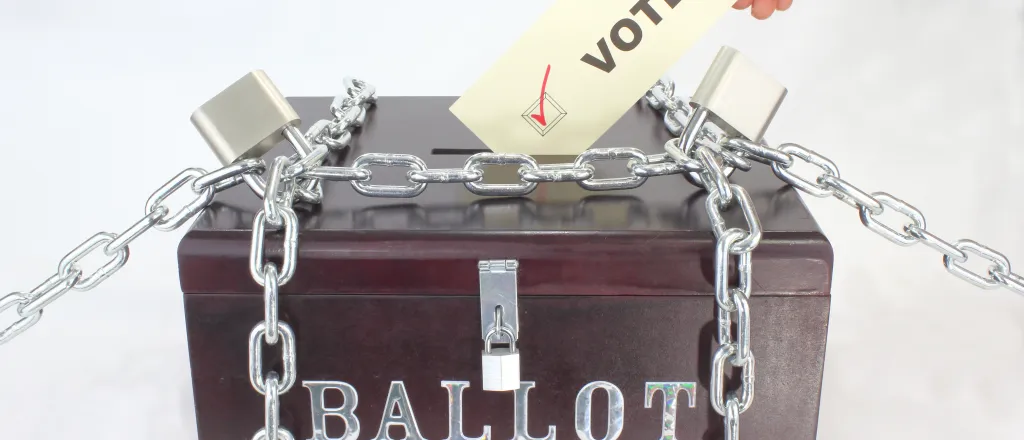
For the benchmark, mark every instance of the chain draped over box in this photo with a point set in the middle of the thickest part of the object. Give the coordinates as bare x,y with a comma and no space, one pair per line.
703,154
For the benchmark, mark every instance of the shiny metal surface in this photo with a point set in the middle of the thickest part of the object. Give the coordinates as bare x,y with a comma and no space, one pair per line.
114,262
634,155
270,300
745,394
271,408
183,179
455,422
499,298
246,119
890,233
726,242
453,175
272,213
714,178
690,134
851,195
584,411
741,98
759,152
556,173
135,231
752,232
477,161
670,403
809,186
21,324
231,172
290,246
46,293
522,430
341,174
717,164
935,242
398,413
345,412
256,338
365,188
279,197
335,134
1000,264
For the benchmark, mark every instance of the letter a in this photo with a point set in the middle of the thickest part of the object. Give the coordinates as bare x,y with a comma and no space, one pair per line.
398,412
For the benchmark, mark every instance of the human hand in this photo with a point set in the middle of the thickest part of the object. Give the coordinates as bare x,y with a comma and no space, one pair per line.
762,9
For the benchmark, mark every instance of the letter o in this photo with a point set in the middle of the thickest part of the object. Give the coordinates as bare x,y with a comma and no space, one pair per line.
616,411
634,28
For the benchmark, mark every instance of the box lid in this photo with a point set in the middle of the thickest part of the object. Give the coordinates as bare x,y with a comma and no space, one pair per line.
652,240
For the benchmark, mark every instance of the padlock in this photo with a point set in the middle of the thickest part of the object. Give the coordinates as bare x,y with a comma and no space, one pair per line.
500,365
737,96
246,120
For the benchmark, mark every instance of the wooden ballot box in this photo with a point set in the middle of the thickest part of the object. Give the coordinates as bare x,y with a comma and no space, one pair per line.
614,290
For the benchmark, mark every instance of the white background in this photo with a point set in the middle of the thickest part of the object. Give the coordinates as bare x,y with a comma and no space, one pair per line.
920,98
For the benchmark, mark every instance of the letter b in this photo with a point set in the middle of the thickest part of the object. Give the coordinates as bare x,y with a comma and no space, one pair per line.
345,412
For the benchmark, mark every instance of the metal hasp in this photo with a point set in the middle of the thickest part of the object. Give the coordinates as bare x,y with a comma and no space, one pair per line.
499,318
738,97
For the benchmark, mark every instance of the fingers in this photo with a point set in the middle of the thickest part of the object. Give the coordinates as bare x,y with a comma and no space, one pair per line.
763,8
743,4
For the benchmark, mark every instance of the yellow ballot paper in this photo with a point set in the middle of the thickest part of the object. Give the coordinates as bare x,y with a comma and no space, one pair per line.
575,72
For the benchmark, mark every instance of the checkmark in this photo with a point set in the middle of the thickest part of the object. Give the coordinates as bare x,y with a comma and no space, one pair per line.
543,87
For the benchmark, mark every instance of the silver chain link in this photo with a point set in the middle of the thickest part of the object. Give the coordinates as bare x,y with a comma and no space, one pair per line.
707,162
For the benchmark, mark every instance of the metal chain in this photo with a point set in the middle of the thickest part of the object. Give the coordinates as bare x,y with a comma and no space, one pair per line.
828,183
271,329
284,179
114,247
732,302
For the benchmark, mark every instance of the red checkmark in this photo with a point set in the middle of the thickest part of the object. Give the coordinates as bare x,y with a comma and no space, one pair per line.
540,118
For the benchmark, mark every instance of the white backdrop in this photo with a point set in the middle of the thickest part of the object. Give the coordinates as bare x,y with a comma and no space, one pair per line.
920,98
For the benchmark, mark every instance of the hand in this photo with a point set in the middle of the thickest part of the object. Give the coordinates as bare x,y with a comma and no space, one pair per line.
763,9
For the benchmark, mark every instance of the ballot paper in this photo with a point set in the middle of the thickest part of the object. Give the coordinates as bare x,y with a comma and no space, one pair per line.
578,69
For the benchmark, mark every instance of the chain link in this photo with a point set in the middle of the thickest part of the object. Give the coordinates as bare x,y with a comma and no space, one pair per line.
477,161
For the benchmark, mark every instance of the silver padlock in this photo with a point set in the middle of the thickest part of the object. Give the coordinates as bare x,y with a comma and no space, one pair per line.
247,120
736,96
500,365
742,99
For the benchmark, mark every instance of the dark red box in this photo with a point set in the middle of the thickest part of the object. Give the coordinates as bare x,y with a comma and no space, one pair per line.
613,286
